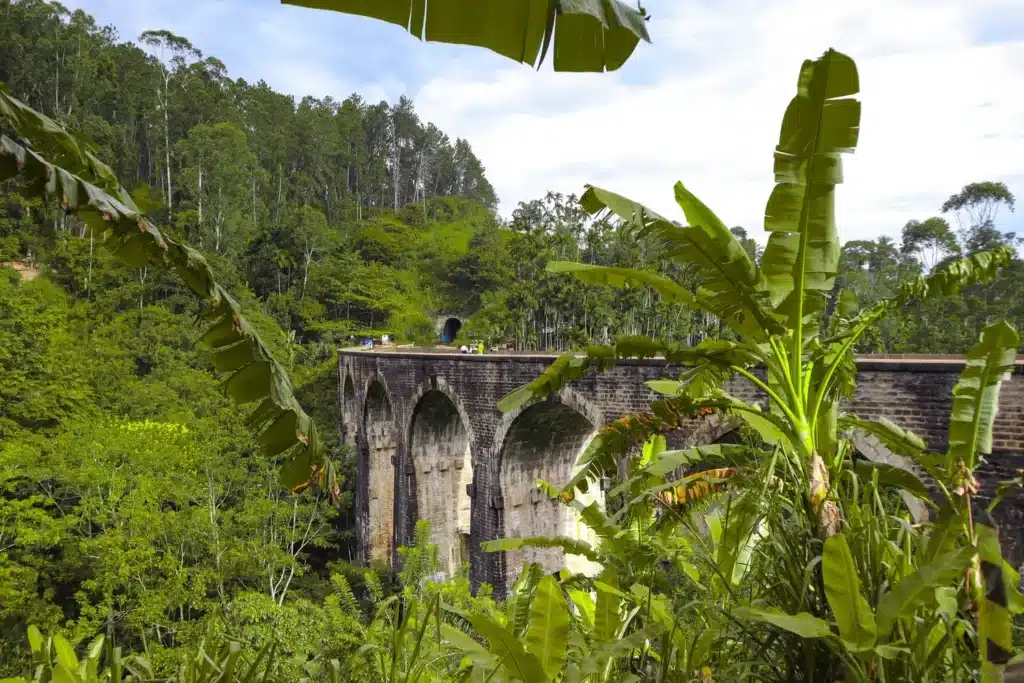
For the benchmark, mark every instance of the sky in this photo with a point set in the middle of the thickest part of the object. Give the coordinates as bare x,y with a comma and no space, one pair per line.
942,87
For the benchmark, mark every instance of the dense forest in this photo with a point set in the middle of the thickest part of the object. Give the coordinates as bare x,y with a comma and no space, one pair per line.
132,500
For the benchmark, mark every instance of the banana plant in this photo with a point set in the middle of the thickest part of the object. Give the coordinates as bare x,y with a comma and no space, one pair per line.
214,660
588,35
958,557
800,365
50,162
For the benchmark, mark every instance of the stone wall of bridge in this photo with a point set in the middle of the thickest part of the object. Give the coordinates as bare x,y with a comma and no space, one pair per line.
432,444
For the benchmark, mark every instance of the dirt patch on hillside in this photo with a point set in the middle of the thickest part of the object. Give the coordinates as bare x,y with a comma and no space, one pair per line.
25,270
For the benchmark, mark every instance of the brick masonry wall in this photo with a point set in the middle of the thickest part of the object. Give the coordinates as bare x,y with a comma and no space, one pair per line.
914,393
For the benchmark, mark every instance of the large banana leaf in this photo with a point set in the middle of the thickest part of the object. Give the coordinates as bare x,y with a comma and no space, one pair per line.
729,281
842,588
979,268
589,35
976,396
570,546
87,188
570,366
820,124
547,636
918,589
803,624
625,277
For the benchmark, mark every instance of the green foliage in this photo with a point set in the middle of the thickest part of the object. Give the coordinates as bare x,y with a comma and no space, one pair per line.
789,532
588,36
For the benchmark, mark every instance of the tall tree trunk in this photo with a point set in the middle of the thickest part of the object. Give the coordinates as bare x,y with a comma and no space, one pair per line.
167,139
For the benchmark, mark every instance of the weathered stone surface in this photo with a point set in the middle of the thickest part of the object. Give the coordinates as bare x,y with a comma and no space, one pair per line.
442,469
390,412
380,447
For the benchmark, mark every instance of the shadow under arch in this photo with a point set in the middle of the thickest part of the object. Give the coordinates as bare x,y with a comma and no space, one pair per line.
349,411
380,447
543,441
440,442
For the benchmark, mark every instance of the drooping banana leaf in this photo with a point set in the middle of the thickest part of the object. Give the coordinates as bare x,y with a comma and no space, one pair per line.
88,189
570,366
976,396
625,277
979,268
729,281
570,546
589,35
821,123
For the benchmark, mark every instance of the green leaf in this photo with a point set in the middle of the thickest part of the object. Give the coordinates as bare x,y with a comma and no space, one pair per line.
665,387
897,439
919,588
977,268
35,639
842,588
890,475
65,653
976,396
821,123
570,546
995,620
669,461
547,635
589,35
251,383
802,624
625,277
606,616
729,281
505,647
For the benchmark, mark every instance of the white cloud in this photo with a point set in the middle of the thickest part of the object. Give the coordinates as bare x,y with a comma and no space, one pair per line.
941,109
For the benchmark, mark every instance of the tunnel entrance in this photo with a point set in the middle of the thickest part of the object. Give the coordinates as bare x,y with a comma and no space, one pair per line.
440,450
542,443
379,428
450,330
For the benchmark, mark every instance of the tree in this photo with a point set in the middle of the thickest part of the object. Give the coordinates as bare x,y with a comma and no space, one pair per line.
931,241
172,55
587,36
217,175
314,237
976,207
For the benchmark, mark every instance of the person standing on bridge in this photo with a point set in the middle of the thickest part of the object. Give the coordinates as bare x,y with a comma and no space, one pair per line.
480,347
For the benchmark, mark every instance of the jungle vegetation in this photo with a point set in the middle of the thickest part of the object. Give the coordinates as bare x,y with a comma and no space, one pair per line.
167,514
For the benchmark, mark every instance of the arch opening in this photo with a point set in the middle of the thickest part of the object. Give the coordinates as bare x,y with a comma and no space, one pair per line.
543,443
381,445
450,330
439,446
349,428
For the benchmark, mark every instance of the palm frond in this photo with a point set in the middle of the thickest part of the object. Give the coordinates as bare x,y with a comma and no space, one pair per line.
108,210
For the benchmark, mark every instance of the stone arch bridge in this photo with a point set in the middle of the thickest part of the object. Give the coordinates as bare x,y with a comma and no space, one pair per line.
431,443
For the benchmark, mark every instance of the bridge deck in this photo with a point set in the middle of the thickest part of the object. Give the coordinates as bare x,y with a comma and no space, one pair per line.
894,361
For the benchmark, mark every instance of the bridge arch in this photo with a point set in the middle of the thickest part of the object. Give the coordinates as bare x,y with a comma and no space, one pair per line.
440,438
380,447
543,441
